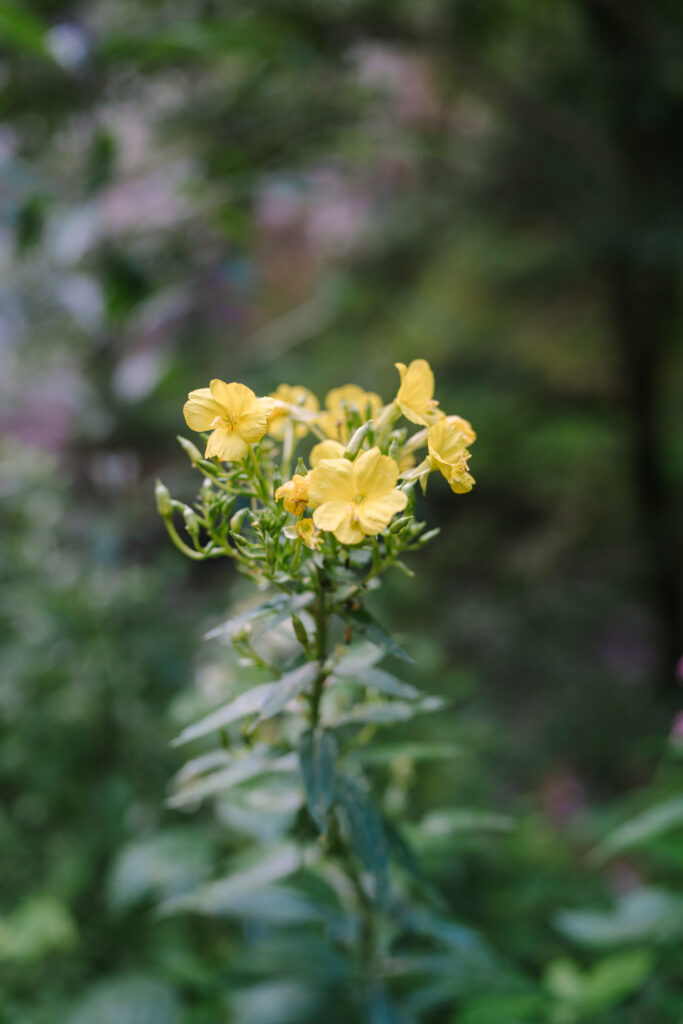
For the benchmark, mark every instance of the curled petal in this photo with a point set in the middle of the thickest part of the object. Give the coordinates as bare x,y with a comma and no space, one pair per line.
201,410
236,399
227,445
415,396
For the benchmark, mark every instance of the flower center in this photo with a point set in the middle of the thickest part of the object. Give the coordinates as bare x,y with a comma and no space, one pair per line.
359,498
225,422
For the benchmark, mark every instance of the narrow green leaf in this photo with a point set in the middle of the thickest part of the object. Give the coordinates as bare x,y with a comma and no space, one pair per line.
244,769
290,686
388,713
317,753
371,628
367,834
247,703
380,680
649,824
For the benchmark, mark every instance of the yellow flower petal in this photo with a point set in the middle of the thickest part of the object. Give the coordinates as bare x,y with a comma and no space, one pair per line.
375,514
294,494
349,532
415,396
375,473
332,480
227,445
201,409
331,514
253,424
464,426
326,450
236,399
288,399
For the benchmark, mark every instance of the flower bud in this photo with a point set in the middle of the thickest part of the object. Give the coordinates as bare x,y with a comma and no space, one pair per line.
163,499
237,520
299,630
191,521
191,450
356,440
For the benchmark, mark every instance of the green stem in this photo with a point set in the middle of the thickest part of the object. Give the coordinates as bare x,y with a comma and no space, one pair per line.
320,648
198,556
265,490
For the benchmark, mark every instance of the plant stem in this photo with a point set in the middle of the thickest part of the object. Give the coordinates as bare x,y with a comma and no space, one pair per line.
320,647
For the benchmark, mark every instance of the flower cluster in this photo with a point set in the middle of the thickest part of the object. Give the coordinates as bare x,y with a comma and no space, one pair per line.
362,464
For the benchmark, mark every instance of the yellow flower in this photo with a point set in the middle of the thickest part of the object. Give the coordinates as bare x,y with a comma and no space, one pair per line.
287,400
294,494
340,403
233,412
415,396
326,450
448,452
357,499
306,530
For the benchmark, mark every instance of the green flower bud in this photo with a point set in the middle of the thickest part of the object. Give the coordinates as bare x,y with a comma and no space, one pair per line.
299,630
191,450
191,521
163,499
356,440
237,520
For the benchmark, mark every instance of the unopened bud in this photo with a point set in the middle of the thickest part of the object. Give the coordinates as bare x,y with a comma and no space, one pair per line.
163,499
191,521
193,453
237,520
356,440
300,630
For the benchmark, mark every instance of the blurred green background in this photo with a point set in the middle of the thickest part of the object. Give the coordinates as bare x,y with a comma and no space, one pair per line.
308,192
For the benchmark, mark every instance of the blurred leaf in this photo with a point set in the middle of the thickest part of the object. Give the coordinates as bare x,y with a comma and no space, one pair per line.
411,750
166,864
650,824
644,915
366,834
21,28
363,620
380,680
317,753
388,713
289,686
133,999
248,703
512,1008
229,893
243,769
605,985
39,926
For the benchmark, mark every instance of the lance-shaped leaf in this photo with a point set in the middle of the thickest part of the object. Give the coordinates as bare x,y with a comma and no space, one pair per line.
388,712
380,680
242,770
366,833
278,608
640,829
220,896
317,752
248,703
375,632
287,688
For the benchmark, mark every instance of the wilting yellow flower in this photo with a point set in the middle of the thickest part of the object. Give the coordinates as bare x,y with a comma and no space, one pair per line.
306,530
448,452
287,400
233,412
340,403
415,396
357,499
294,494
